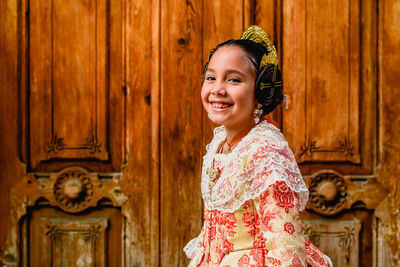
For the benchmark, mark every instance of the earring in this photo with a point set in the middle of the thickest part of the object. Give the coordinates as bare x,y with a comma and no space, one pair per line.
257,113
286,104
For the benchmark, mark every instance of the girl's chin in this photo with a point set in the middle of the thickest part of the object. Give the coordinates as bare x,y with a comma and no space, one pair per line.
229,123
216,120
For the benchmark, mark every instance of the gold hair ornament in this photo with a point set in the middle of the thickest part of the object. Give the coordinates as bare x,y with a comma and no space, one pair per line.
270,85
257,35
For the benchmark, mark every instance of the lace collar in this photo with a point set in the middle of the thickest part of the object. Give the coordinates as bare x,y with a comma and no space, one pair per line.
260,159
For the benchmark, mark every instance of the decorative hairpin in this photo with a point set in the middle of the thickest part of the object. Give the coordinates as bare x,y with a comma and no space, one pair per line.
257,35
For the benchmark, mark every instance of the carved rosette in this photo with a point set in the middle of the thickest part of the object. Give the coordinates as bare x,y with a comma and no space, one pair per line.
73,190
328,193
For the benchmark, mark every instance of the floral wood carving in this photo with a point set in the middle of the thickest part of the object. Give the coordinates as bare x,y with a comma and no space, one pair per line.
340,241
345,239
309,147
73,190
67,237
55,233
332,192
328,193
56,144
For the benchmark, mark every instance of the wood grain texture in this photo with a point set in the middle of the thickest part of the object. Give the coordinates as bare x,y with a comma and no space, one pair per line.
11,168
328,84
146,58
332,63
264,15
61,239
75,83
222,21
389,124
342,240
155,133
352,230
180,132
141,179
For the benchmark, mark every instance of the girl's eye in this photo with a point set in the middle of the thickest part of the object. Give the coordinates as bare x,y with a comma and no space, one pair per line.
210,78
234,80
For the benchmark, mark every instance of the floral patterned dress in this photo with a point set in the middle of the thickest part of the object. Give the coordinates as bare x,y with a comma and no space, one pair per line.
253,197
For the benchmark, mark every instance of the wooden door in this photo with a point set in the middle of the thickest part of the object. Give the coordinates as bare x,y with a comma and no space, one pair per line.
102,130
330,121
67,207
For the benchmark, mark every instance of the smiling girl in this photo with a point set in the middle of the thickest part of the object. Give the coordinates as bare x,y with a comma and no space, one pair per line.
252,188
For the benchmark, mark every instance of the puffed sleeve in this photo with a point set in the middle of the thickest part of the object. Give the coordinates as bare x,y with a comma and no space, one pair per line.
194,249
280,226
281,229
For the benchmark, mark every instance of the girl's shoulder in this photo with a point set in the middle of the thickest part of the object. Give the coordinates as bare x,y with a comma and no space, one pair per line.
263,135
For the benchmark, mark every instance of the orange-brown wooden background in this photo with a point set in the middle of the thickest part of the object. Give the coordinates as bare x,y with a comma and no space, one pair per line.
104,96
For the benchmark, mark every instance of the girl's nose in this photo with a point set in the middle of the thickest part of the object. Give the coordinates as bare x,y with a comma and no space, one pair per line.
218,89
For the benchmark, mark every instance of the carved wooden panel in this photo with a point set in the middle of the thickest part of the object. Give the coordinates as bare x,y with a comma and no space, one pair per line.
75,79
60,239
340,241
321,68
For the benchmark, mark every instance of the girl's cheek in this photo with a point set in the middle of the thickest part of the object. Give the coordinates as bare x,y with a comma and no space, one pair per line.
204,97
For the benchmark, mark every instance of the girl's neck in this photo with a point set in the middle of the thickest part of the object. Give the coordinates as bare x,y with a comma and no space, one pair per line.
233,136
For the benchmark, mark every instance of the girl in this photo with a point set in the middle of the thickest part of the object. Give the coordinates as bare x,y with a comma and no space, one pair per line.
251,185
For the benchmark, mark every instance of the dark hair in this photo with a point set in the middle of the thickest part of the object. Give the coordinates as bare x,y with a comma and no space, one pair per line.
268,97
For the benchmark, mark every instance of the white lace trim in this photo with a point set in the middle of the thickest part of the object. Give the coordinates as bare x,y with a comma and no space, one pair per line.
260,159
329,261
192,247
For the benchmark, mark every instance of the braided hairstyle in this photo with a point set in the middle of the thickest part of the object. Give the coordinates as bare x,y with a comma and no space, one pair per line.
268,85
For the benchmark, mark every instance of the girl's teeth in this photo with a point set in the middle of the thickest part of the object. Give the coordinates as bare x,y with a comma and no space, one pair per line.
217,105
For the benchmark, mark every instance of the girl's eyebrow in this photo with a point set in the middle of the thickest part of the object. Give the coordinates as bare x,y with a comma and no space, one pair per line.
210,70
229,71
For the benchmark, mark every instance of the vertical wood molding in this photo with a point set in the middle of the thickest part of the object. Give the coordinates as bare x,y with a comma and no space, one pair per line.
140,170
388,170
264,16
180,127
155,132
11,168
248,13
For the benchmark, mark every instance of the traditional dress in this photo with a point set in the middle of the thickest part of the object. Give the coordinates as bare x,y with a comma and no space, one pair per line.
252,199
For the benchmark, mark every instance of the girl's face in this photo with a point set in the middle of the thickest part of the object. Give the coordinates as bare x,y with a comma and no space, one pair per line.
228,88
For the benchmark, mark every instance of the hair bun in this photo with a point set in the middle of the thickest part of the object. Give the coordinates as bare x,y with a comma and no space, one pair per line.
269,88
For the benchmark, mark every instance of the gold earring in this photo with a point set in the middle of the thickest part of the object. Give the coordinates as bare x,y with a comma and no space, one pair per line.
257,113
